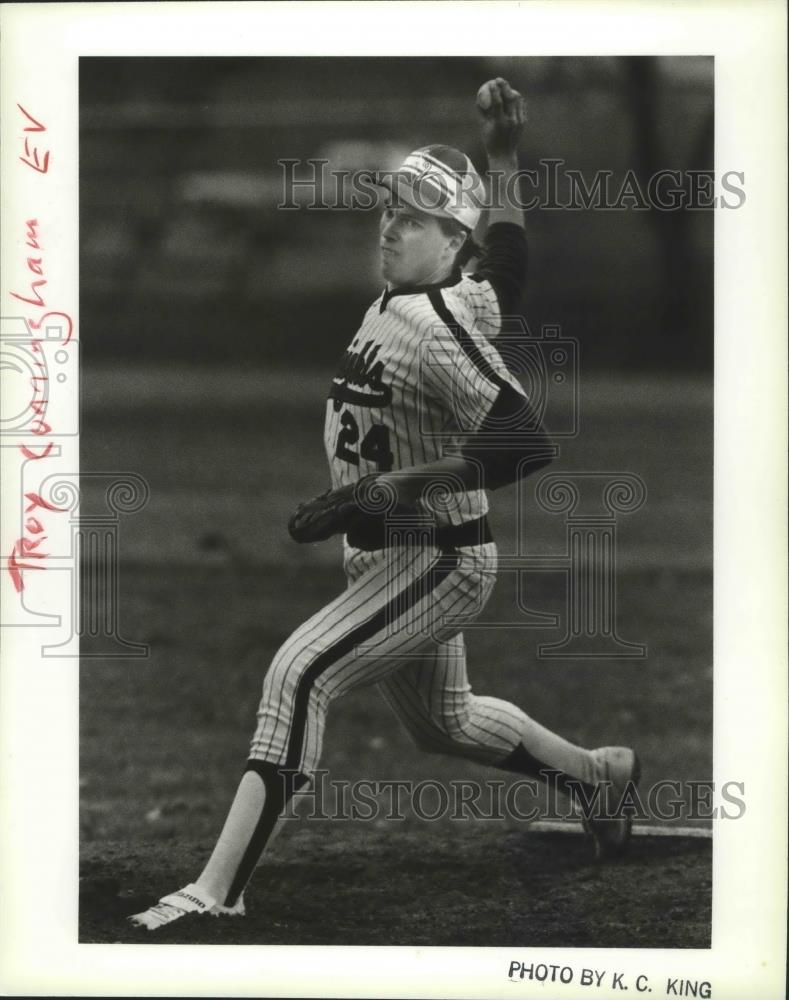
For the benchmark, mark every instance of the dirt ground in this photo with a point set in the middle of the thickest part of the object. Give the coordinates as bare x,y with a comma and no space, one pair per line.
396,888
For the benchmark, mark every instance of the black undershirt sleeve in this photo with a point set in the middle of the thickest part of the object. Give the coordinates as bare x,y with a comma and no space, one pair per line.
511,443
504,263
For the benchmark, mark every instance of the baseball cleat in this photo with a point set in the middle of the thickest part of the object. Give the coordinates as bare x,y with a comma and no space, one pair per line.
190,899
618,769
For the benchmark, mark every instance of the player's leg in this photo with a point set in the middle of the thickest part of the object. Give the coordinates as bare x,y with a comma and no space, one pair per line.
355,640
434,701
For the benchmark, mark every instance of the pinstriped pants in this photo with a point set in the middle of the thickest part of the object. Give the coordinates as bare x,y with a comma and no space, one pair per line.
398,625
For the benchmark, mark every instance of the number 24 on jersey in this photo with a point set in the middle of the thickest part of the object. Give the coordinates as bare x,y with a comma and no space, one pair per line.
373,448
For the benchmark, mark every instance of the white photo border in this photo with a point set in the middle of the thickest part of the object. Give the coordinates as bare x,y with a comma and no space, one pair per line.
41,47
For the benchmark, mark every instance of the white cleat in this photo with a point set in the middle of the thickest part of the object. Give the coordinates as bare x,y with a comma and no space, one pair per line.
190,899
618,769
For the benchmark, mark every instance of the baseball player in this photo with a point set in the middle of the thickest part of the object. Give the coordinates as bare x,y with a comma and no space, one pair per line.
423,417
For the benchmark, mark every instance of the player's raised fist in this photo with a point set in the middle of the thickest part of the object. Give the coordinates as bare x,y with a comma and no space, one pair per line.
503,114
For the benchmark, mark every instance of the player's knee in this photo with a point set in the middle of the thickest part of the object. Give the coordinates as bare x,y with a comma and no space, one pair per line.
452,717
442,732
290,663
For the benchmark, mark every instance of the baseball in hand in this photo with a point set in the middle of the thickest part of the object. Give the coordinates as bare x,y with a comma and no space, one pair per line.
496,98
503,114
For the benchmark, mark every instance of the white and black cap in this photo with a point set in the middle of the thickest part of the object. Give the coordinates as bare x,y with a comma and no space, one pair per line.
439,180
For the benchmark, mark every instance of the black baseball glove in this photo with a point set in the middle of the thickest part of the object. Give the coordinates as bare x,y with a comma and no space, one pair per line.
335,511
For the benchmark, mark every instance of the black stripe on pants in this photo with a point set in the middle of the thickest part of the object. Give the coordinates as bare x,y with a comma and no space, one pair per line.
416,591
282,782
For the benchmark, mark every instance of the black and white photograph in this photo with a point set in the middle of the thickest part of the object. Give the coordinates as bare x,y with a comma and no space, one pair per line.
508,588
389,510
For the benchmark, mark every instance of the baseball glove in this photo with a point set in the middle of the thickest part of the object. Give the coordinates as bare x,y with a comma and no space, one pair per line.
334,512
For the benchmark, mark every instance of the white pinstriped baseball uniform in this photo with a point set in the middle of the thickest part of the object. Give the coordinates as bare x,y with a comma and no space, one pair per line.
420,374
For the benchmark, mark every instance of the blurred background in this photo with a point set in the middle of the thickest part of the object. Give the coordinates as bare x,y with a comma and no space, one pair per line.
211,325
184,254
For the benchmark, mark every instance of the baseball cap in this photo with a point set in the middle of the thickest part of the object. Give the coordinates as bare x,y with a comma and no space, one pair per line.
439,180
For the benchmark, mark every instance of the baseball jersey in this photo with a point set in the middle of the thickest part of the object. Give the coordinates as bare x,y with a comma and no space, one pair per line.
421,373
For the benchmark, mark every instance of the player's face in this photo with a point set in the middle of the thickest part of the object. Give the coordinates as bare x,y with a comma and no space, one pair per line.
414,249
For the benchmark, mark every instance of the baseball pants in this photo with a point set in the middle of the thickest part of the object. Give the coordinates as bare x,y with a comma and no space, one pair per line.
397,625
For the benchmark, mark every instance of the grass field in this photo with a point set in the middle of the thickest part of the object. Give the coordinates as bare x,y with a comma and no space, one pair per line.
210,580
